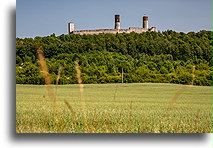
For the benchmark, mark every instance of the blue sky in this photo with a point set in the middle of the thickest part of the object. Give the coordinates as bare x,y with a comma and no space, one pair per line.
44,17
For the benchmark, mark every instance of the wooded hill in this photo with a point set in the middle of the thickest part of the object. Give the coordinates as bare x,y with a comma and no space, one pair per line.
160,57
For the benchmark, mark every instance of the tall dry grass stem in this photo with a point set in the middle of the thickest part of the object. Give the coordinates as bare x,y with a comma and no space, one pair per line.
175,98
197,118
59,75
82,100
58,78
45,74
115,93
178,94
78,76
193,75
71,110
130,116
180,91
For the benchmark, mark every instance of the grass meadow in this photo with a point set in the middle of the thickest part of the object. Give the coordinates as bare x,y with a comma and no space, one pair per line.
113,108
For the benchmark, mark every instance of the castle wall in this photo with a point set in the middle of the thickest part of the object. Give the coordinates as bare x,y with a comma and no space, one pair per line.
152,29
113,31
137,29
81,32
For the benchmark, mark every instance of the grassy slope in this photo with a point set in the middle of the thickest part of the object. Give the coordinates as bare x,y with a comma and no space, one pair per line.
115,108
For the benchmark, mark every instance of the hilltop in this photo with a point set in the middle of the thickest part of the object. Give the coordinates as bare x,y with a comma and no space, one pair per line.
167,57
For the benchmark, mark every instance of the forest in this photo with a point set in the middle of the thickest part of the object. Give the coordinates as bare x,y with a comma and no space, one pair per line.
158,57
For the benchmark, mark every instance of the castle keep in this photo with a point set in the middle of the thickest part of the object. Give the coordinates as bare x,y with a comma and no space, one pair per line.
117,29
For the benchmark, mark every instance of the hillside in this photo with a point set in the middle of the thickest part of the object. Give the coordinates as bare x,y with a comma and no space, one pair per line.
167,57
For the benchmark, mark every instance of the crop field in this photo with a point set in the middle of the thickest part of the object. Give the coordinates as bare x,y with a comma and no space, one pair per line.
114,108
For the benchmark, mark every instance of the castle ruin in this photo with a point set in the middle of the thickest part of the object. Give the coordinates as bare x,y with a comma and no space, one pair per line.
116,29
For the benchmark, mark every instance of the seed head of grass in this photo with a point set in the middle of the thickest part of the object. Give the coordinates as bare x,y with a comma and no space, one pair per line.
78,76
45,74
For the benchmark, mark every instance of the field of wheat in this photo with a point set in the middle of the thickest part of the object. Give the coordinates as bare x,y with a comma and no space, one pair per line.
113,108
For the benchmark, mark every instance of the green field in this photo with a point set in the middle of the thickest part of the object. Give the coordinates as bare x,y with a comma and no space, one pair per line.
114,108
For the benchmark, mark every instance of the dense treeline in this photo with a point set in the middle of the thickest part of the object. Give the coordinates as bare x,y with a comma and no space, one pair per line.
148,57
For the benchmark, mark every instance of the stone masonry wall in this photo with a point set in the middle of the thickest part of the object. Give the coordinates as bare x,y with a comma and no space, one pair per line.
114,31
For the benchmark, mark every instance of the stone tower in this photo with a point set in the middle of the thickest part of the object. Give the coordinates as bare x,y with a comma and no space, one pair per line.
145,22
117,22
71,27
